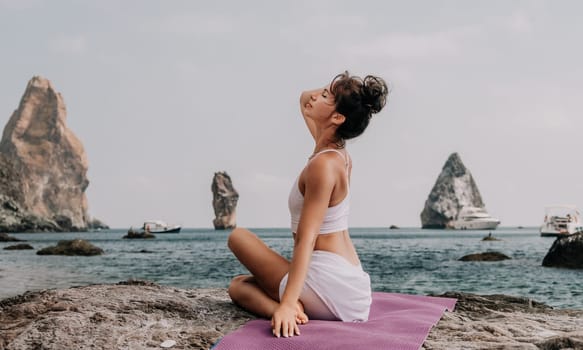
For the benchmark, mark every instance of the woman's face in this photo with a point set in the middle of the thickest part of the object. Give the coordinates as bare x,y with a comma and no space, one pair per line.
321,105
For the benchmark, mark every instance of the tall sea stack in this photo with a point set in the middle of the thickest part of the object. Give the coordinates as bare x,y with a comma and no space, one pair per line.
454,189
43,166
225,199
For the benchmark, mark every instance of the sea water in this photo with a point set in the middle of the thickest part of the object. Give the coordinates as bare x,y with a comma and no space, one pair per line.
406,260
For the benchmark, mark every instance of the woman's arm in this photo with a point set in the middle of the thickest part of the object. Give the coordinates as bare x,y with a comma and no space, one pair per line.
304,99
320,182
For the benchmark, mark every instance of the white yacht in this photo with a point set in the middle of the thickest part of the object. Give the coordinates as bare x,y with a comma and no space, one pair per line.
561,220
473,218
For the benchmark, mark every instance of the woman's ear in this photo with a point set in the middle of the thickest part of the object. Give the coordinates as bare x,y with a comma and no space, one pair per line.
338,118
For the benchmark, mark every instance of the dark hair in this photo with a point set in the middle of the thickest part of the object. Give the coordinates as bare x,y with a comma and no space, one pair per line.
357,99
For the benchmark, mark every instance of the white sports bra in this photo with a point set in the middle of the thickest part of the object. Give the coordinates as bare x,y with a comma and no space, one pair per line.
336,217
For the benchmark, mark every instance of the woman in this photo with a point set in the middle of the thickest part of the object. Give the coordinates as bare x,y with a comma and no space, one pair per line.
324,279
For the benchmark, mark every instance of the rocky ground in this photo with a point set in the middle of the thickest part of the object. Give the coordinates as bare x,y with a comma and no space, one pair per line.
143,315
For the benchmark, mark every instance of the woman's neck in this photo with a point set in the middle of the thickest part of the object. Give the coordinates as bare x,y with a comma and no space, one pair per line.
327,140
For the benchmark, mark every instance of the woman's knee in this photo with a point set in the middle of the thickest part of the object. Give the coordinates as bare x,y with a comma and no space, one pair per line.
235,286
238,236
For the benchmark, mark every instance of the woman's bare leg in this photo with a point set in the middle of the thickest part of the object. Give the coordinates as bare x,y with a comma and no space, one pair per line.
245,292
258,293
266,266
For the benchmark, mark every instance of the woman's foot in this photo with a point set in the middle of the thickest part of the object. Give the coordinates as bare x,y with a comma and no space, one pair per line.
301,317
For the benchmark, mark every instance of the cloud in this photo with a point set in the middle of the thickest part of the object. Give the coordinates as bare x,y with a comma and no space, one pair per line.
519,22
406,46
192,24
18,4
68,45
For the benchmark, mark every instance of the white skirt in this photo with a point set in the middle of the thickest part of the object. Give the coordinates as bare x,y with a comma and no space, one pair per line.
334,289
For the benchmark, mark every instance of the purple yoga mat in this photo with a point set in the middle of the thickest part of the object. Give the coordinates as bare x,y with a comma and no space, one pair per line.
396,321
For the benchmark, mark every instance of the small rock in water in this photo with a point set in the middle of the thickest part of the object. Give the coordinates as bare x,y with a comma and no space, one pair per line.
489,237
168,343
21,246
487,256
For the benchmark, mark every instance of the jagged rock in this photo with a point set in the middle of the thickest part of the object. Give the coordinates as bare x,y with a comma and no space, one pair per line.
141,315
225,199
43,166
72,247
566,252
22,246
454,189
96,224
15,219
6,238
487,256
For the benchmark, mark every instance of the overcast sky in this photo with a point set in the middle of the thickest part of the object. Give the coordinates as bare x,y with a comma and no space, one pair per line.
165,93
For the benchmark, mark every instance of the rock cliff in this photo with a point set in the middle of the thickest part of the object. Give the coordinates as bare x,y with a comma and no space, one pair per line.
454,189
225,199
43,166
143,315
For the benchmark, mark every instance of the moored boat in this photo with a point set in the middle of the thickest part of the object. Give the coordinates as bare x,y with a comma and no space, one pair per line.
561,220
473,218
159,226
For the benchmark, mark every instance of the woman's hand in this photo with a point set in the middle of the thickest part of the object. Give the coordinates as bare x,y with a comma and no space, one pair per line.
285,321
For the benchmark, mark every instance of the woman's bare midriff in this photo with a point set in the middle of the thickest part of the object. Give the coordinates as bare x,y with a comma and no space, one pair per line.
337,243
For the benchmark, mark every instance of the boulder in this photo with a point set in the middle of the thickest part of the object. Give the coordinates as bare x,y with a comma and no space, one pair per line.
225,199
138,235
72,247
566,252
21,246
454,189
487,256
43,166
143,315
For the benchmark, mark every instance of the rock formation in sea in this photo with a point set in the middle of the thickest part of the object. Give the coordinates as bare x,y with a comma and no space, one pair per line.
225,199
566,252
43,166
21,246
72,247
6,238
143,315
454,189
487,256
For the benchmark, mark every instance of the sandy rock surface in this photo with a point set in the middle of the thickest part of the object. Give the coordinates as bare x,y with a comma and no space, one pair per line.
505,322
142,315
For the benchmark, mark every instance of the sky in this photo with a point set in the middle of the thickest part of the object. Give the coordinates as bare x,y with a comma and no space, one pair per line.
163,94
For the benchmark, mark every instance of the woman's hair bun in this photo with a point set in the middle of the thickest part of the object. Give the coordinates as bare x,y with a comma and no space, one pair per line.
374,93
357,99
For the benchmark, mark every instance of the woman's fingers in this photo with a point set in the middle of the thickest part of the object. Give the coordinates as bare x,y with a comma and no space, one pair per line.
285,329
276,327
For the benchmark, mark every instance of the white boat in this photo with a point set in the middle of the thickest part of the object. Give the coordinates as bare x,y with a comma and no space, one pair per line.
473,218
158,226
561,220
